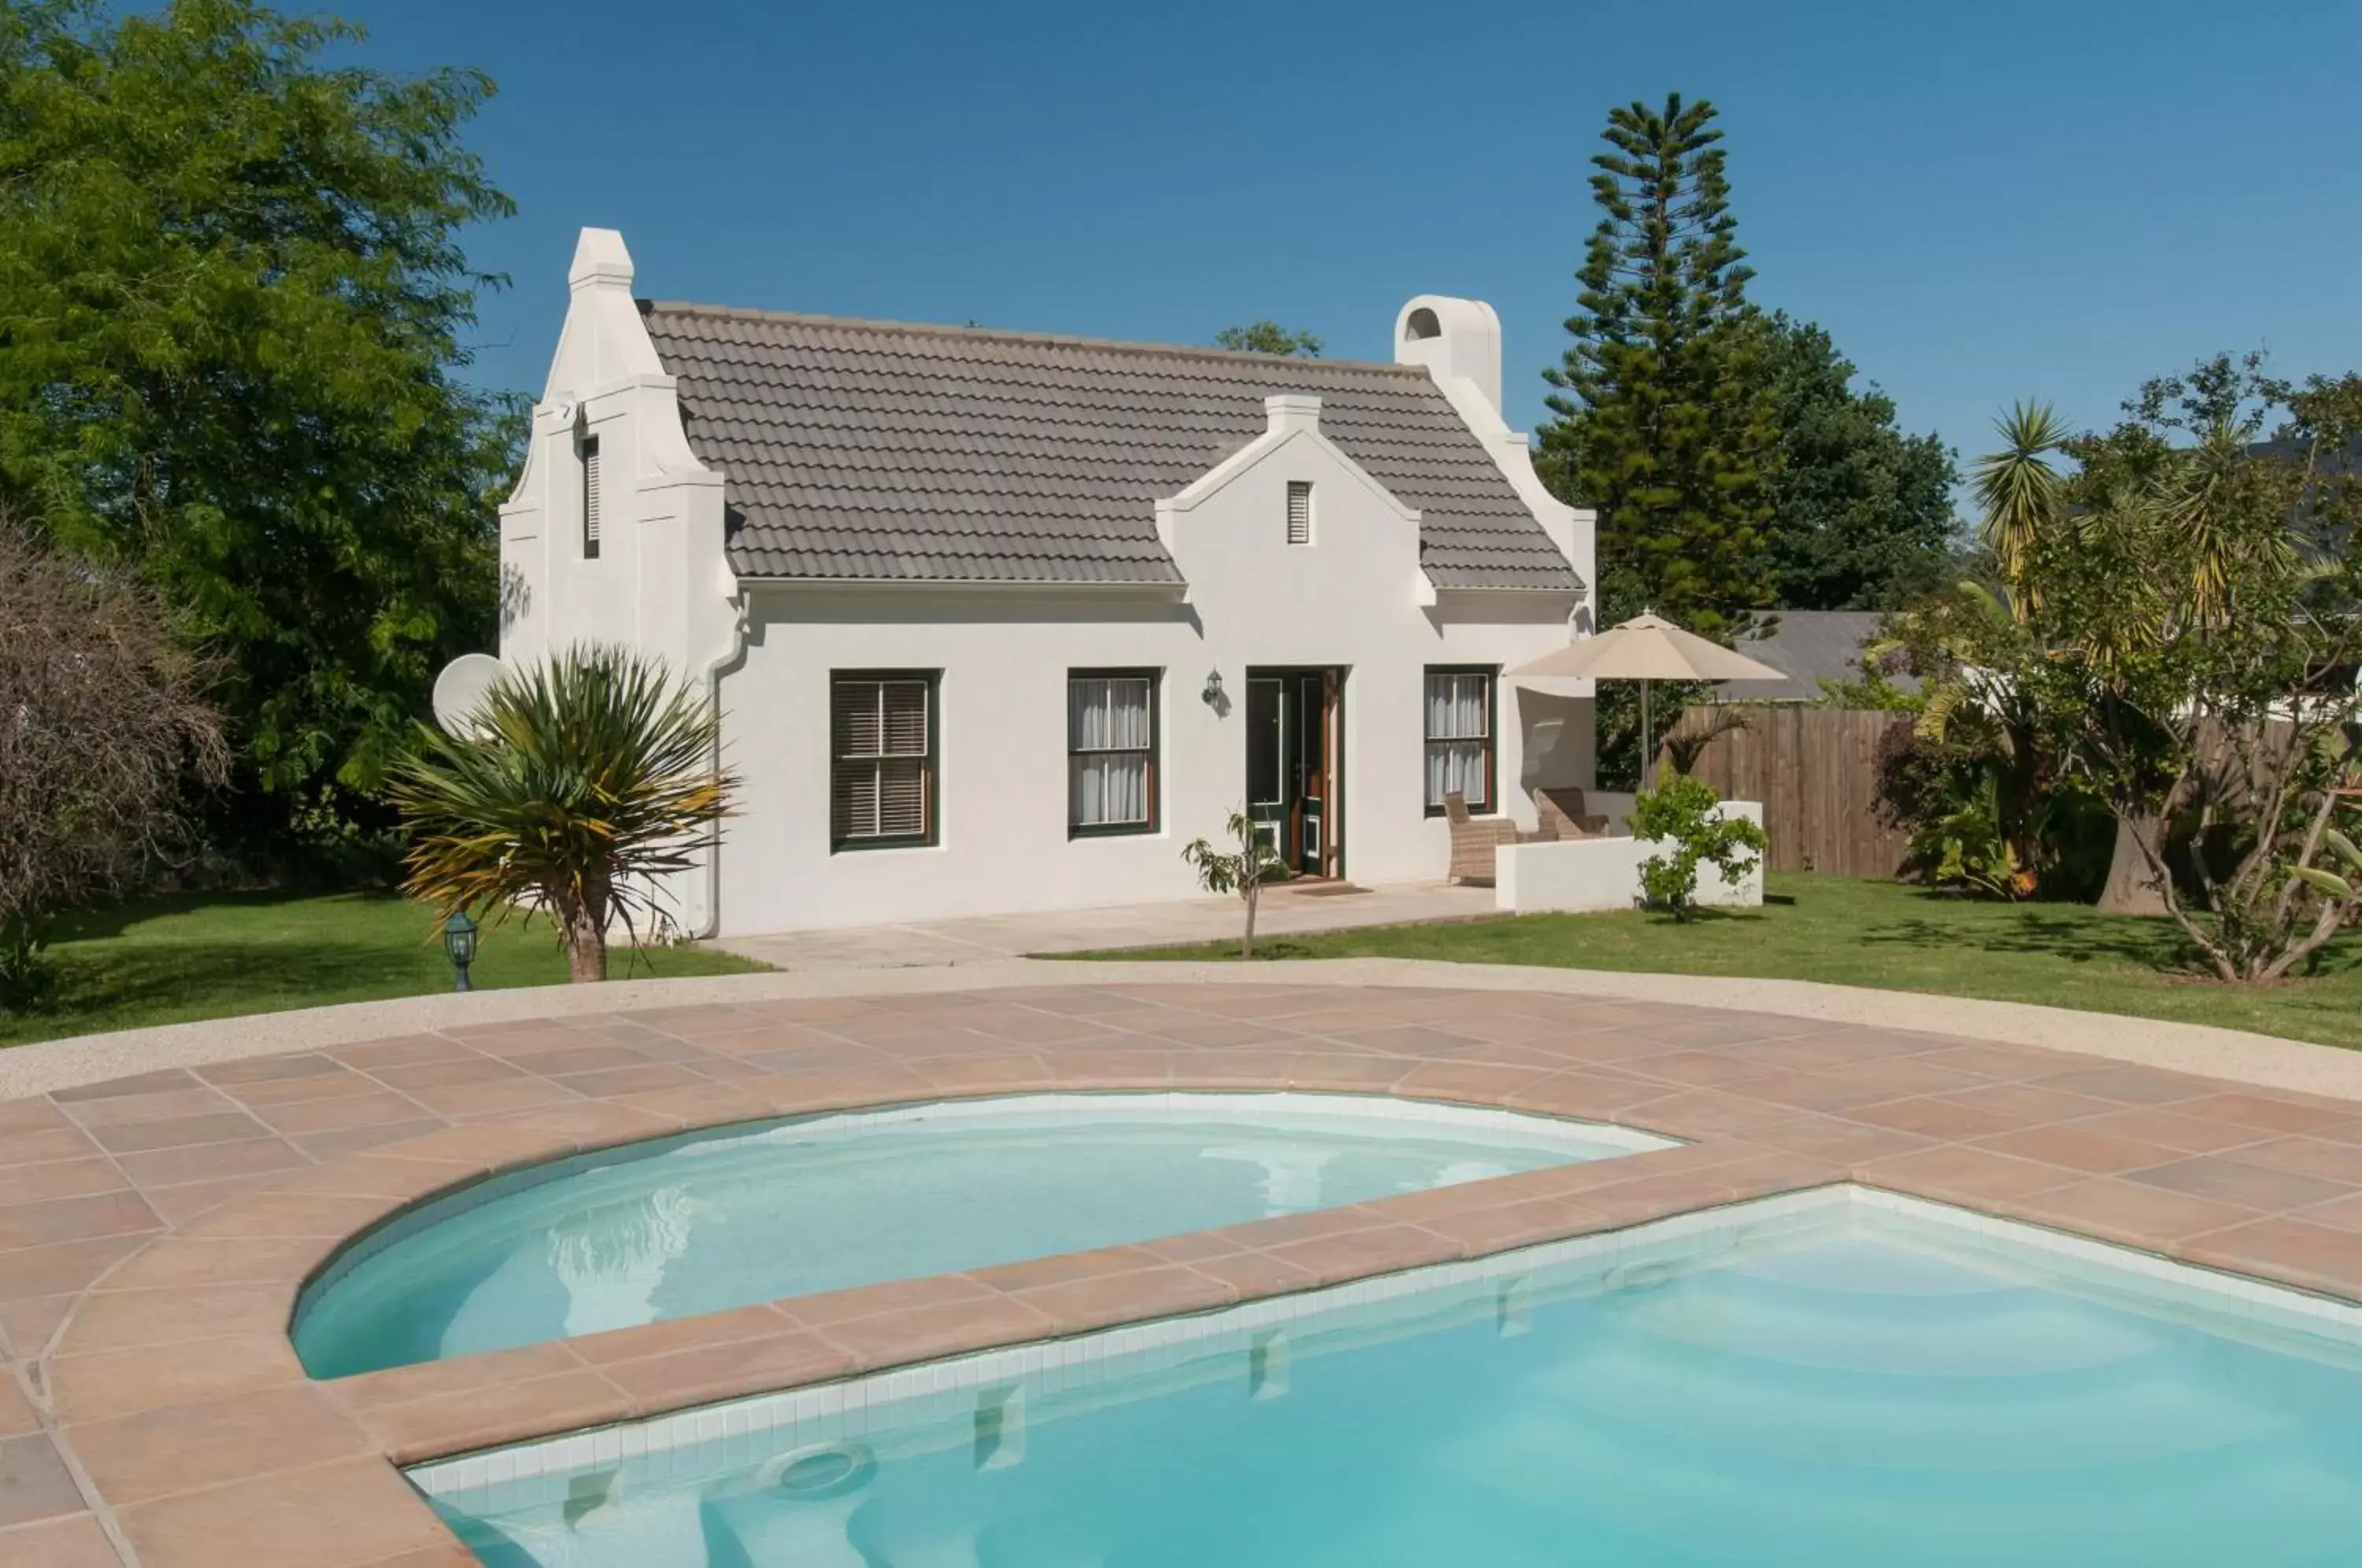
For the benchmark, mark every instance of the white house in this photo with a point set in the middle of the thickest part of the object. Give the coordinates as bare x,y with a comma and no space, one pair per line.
1000,620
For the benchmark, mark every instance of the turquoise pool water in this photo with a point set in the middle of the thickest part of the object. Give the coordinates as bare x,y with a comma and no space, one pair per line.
703,1223
1863,1393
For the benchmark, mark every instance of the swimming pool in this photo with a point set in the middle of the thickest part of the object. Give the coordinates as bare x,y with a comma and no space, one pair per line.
1843,1379
708,1221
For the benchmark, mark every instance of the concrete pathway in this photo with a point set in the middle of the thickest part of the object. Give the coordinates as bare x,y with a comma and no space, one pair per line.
1284,912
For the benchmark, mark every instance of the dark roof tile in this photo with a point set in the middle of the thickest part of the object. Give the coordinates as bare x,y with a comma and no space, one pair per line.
874,450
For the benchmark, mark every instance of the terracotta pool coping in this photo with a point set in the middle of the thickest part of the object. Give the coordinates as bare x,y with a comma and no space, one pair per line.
173,1403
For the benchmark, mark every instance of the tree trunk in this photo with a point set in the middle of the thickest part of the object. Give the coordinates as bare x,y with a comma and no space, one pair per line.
1254,892
586,944
2132,888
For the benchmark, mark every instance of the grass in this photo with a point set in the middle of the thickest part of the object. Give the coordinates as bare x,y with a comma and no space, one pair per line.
1853,932
171,960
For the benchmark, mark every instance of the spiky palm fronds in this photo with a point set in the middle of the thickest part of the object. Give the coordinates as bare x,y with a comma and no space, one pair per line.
584,779
2022,495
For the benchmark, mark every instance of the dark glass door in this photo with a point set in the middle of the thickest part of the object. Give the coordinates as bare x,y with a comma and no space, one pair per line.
1267,770
1308,717
1292,781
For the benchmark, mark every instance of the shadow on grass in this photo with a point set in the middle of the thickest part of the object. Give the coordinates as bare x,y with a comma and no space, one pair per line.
116,919
196,978
2066,938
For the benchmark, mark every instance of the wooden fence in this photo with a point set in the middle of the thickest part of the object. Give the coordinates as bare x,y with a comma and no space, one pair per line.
1815,771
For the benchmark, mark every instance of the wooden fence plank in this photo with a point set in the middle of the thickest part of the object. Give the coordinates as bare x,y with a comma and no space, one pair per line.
1815,771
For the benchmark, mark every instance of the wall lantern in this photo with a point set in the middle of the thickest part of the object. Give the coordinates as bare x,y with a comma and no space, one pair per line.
459,947
1212,694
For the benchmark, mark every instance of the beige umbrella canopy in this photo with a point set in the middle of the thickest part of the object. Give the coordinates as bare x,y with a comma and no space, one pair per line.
1647,648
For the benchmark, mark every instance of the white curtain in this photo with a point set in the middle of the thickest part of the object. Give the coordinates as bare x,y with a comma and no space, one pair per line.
1110,738
1458,721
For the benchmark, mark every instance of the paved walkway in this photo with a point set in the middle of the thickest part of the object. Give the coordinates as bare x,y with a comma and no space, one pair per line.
154,1231
1284,912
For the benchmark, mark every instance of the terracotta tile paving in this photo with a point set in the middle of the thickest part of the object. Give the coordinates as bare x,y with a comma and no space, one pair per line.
154,1230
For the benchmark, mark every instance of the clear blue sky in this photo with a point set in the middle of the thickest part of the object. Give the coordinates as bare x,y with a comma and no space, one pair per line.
1981,199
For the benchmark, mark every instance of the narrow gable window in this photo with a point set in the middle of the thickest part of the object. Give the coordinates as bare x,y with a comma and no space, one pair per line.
882,779
1299,511
590,498
1458,738
1110,752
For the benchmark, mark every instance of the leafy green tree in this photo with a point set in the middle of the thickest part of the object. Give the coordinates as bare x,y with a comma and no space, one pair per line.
1242,870
583,783
1663,419
1861,515
1267,338
232,306
2182,628
1685,817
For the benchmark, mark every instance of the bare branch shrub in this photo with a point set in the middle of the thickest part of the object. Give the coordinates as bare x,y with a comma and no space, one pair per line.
103,728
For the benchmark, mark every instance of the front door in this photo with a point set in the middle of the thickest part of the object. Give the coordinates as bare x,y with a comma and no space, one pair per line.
1294,792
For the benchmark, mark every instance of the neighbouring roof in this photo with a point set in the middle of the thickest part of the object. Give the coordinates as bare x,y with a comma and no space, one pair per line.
863,449
1808,646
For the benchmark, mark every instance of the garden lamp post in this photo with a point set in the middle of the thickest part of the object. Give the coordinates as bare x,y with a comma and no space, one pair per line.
460,945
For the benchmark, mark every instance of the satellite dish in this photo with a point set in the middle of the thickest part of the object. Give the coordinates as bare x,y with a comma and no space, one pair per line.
460,689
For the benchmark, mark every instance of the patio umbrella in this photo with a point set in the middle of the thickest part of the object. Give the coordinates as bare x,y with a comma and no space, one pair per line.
1647,648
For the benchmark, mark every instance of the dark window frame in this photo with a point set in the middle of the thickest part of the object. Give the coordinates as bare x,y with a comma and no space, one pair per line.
931,772
590,459
1491,674
1155,753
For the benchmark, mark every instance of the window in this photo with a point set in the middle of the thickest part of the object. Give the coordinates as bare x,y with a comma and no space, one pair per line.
1110,751
882,783
1459,737
1299,511
590,498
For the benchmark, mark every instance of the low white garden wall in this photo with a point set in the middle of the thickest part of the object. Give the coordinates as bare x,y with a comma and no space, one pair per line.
1582,875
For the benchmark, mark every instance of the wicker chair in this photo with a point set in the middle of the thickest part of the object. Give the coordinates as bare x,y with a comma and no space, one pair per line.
1474,839
1562,816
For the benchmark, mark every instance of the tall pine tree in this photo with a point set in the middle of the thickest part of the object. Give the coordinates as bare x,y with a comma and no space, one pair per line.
1664,419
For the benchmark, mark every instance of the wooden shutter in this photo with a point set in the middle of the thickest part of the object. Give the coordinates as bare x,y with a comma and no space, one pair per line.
856,719
902,708
1299,511
590,497
902,775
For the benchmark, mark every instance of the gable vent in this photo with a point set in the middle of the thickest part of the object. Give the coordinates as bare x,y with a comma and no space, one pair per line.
1299,511
590,497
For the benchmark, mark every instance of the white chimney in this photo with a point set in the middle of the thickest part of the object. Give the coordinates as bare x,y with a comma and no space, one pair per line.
1455,339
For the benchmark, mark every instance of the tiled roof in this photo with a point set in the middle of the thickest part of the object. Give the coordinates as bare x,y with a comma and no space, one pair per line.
876,450
1809,647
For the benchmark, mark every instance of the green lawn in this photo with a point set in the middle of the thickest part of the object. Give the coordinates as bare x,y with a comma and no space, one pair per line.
1874,933
218,954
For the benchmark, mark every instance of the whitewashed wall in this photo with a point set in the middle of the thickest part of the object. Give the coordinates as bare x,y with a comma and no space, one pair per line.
1591,874
1354,597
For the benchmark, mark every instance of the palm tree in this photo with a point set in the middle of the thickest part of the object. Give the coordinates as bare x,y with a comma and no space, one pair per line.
2021,493
582,782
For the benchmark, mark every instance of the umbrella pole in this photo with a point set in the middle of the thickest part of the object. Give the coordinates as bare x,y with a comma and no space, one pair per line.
1648,751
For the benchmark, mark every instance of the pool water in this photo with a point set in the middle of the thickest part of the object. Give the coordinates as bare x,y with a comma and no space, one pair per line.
1863,1393
706,1222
